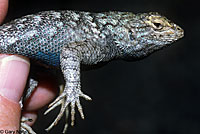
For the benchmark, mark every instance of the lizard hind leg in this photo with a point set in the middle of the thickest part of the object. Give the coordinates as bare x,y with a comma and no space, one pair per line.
25,128
61,100
70,67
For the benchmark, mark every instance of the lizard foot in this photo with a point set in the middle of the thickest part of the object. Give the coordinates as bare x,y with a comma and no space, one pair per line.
64,99
26,129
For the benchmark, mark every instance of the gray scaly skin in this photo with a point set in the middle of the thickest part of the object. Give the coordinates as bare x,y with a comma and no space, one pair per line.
67,39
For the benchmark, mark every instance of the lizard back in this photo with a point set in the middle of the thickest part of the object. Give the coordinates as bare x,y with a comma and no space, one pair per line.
39,36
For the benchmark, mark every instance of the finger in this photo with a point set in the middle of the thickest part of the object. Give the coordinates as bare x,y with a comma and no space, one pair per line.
3,9
13,74
14,71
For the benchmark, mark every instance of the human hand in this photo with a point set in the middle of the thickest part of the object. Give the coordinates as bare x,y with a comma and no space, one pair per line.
14,71
3,9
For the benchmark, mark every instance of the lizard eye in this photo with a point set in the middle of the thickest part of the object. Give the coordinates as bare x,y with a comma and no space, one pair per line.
157,25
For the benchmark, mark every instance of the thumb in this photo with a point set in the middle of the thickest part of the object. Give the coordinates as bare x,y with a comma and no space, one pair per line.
3,9
13,75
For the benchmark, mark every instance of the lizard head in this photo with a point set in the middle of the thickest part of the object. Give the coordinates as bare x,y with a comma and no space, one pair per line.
149,32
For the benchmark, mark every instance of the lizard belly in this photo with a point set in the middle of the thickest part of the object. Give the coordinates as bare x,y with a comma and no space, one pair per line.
35,45
47,52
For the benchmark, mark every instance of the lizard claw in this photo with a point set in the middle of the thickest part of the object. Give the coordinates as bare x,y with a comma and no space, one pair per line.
26,129
76,102
64,100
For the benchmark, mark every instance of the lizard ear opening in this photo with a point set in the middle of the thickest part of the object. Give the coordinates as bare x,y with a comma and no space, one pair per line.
131,35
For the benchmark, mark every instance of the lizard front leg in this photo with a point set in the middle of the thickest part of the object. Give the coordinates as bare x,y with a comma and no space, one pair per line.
70,60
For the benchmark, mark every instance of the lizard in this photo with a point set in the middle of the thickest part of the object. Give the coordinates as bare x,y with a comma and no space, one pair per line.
66,39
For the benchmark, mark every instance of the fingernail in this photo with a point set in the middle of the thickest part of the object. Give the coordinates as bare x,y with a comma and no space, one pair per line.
13,75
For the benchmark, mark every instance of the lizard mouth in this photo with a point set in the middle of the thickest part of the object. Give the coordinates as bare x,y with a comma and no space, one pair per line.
180,32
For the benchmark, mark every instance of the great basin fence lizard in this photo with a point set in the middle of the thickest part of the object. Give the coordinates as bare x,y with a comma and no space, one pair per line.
67,39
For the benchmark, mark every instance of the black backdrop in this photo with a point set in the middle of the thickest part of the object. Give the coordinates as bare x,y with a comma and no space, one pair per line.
157,95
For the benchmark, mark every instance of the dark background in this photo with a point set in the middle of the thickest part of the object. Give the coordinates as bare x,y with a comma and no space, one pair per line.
157,95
